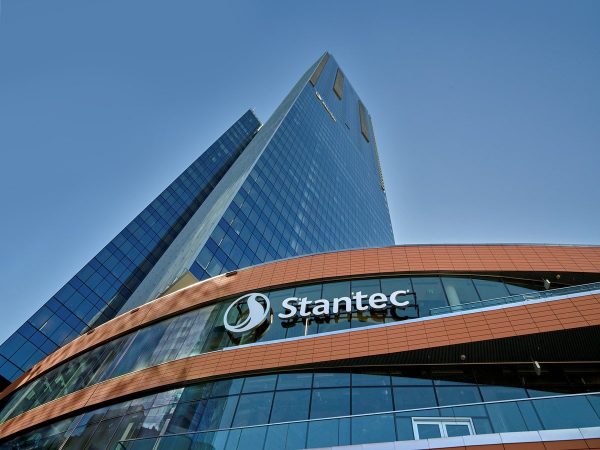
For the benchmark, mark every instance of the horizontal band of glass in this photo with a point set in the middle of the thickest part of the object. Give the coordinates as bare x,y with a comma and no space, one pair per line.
201,330
299,396
545,413
537,295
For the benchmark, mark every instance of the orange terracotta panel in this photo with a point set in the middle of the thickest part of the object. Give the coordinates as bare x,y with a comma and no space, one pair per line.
170,373
566,445
453,258
485,447
525,446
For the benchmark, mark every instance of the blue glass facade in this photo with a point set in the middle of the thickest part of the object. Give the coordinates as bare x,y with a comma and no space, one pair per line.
202,331
298,410
307,181
102,286
311,183
315,188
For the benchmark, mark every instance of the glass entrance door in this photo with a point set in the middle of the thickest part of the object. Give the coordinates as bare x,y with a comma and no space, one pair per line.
428,427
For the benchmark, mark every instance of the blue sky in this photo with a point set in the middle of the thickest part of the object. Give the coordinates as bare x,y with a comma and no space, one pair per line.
486,113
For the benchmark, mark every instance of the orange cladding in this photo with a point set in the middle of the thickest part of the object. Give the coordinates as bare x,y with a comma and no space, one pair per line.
478,326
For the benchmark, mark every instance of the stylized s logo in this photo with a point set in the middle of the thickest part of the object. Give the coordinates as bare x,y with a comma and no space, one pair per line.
257,313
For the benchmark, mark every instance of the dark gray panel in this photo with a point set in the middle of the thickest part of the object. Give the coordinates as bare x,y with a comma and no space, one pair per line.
377,158
364,125
554,346
338,86
317,73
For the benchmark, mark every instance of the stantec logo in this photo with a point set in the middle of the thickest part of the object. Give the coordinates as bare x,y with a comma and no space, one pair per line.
259,308
303,307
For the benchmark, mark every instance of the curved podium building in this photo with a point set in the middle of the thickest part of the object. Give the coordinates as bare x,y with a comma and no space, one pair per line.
402,347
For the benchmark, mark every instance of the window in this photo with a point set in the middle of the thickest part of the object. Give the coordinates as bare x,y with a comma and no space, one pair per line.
371,399
490,289
218,413
185,417
276,329
260,383
459,290
389,285
290,405
226,387
253,409
328,433
342,320
457,395
515,289
411,397
368,316
494,393
426,428
284,437
323,380
294,381
308,325
430,294
369,379
368,429
330,403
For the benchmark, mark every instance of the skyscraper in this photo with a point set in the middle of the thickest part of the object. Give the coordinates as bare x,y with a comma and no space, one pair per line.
307,181
447,346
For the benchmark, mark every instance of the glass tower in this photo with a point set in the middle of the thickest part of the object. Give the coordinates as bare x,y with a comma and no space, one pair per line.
306,181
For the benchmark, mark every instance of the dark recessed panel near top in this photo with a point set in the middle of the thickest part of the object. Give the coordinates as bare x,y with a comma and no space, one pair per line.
319,69
338,86
364,127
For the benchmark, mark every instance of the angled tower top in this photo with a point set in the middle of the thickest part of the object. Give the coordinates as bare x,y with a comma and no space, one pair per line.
307,181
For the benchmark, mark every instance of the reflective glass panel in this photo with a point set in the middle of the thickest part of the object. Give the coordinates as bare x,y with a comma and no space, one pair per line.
369,429
457,395
253,409
453,430
428,430
371,399
459,290
414,397
290,405
490,289
429,293
330,403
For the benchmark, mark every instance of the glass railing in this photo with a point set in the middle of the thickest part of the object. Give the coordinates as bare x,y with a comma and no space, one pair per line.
536,295
544,413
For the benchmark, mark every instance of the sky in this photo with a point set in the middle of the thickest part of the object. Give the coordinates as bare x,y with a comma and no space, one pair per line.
487,115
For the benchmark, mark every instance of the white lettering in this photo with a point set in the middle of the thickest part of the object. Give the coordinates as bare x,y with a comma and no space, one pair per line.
304,302
321,307
302,307
289,305
378,301
358,298
336,304
395,302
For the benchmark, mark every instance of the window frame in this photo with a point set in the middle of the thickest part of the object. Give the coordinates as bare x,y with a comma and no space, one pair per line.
442,422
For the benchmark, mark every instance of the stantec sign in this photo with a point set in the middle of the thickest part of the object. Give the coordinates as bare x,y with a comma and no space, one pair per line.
323,307
258,308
